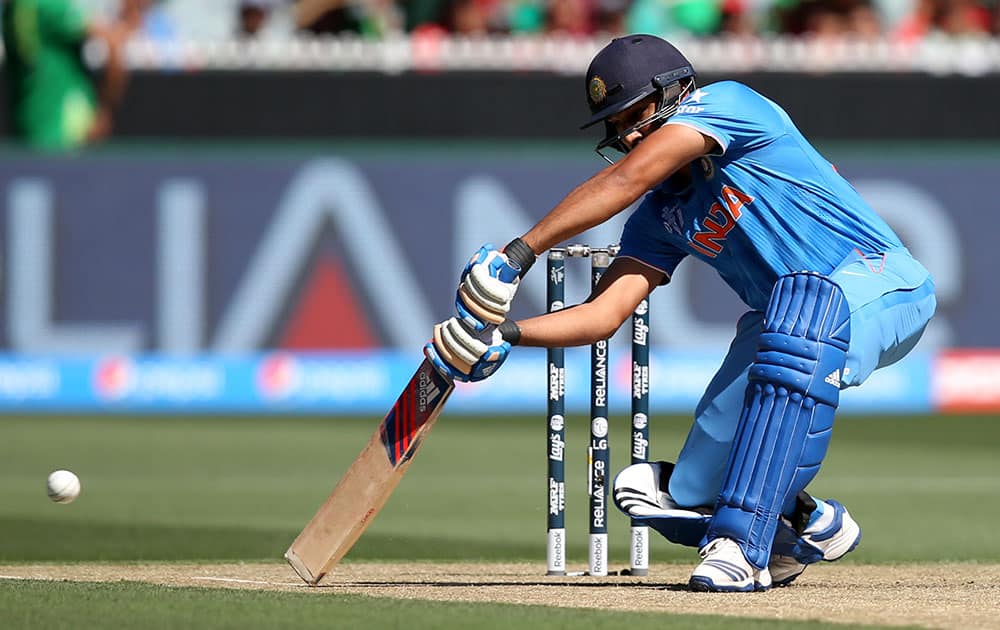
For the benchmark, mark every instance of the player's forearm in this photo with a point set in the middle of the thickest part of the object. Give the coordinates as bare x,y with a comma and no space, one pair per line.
590,204
115,77
112,87
614,189
575,326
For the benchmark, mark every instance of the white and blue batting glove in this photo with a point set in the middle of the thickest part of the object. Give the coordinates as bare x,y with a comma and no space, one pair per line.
489,282
467,355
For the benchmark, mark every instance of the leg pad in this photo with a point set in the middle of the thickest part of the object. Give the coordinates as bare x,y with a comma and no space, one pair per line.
784,429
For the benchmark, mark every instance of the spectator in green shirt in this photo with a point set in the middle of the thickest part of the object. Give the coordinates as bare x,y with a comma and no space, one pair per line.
52,100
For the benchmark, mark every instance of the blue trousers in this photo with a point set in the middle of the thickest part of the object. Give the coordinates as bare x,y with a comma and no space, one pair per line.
891,297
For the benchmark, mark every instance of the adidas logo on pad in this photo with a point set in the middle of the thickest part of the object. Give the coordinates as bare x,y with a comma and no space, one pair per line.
834,378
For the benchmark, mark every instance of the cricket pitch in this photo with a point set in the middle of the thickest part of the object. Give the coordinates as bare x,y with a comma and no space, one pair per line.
928,595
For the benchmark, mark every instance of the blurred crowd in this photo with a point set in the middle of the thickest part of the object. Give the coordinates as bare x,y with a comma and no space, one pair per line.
906,20
55,101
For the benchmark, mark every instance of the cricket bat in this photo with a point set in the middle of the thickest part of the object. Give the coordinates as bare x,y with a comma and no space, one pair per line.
372,477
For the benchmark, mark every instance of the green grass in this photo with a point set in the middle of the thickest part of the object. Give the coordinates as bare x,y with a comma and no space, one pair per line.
26,604
924,489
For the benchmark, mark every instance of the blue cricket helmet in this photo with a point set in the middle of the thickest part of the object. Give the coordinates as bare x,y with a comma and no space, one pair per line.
630,69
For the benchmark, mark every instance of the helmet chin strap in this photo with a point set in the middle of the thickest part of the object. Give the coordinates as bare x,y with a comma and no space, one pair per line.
670,99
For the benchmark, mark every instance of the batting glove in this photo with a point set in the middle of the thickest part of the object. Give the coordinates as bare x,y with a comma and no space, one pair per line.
467,355
489,282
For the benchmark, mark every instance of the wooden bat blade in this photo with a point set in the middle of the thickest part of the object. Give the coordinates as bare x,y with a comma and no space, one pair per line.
370,480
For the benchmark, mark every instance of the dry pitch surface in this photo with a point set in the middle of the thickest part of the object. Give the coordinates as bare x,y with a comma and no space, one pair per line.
936,595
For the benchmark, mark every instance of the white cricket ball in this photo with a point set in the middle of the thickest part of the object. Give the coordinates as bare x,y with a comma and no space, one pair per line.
63,486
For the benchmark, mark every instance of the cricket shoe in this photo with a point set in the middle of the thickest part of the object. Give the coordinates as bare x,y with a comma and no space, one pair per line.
640,491
830,538
724,569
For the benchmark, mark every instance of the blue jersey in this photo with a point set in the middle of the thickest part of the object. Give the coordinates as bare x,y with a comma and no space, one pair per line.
766,205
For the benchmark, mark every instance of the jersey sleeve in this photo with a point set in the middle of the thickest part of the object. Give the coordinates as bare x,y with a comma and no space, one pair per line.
642,240
735,116
62,21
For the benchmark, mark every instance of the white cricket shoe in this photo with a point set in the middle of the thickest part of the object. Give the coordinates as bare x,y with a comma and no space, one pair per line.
724,569
830,538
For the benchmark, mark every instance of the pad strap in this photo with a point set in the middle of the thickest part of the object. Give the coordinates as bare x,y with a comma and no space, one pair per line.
679,526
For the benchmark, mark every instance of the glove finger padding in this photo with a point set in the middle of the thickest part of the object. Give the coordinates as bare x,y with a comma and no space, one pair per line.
487,287
464,354
469,305
457,346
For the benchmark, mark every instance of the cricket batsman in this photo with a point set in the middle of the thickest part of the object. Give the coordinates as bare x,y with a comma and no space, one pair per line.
725,177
